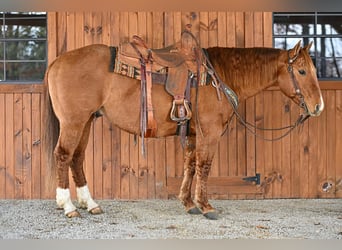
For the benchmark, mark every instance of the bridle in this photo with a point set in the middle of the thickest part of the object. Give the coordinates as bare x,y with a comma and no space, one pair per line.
298,92
234,103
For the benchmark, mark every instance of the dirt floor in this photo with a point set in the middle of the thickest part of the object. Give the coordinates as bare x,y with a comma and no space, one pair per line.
166,219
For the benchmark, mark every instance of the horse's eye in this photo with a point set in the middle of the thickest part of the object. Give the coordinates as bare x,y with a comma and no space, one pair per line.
302,72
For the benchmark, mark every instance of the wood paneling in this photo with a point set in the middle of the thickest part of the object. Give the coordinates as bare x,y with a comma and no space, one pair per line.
115,166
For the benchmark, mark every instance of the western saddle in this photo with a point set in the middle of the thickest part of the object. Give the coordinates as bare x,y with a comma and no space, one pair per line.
182,61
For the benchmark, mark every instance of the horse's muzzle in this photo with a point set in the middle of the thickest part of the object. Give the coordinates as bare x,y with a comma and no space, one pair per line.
318,109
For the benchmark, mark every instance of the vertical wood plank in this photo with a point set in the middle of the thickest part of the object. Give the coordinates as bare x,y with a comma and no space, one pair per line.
116,159
27,147
268,146
338,147
322,142
240,29
259,143
87,29
71,31
36,145
62,33
142,173
314,149
276,145
258,30
331,140
286,149
222,29
2,147
268,29
10,172
116,133
98,167
204,29
18,146
125,163
88,165
134,167
104,30
79,29
231,33
295,156
250,102
304,161
107,164
51,36
160,163
134,150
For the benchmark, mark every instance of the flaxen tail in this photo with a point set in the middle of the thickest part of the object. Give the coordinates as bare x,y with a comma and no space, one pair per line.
50,134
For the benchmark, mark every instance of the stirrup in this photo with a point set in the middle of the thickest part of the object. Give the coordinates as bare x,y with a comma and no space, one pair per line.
188,113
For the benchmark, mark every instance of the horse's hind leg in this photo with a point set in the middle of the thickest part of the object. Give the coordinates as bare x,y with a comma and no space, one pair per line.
68,140
83,195
189,171
69,152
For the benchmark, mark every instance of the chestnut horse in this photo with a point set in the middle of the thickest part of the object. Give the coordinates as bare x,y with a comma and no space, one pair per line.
80,84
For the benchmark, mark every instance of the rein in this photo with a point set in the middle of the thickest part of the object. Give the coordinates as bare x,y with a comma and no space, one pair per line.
232,98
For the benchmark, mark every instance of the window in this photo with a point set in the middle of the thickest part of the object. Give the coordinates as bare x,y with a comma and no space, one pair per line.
324,29
22,46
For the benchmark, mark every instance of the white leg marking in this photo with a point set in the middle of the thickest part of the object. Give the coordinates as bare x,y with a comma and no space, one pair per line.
64,201
84,198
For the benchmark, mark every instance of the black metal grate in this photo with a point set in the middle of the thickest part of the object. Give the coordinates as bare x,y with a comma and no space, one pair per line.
324,29
23,46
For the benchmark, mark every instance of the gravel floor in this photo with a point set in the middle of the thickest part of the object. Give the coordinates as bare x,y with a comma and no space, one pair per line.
166,219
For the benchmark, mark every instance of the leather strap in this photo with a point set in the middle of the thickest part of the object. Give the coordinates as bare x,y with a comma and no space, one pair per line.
151,129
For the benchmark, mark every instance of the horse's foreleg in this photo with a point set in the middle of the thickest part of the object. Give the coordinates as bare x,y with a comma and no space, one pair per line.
201,197
189,171
204,157
83,195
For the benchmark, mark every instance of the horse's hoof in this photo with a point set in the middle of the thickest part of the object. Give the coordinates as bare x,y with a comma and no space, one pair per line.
211,215
96,210
194,210
73,214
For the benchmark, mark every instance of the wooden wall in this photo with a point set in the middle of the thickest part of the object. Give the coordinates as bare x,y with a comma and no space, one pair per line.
114,165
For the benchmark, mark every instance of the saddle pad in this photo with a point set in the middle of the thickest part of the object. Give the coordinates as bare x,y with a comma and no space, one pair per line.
133,71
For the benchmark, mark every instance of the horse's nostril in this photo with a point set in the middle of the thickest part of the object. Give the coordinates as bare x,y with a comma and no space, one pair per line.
318,108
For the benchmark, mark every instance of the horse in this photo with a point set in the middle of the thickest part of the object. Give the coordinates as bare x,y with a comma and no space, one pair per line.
79,85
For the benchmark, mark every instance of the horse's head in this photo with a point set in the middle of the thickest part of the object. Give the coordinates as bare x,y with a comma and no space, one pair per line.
297,79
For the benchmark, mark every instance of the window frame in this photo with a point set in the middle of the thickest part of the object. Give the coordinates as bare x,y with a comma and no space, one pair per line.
30,17
315,36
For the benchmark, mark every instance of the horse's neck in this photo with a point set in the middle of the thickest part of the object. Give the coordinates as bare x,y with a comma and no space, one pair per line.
249,71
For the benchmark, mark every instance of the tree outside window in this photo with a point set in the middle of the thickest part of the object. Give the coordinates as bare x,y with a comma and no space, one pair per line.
23,46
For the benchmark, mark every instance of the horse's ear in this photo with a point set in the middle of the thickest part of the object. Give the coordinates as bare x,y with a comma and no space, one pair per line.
307,47
295,50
